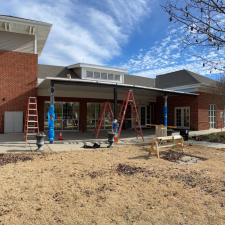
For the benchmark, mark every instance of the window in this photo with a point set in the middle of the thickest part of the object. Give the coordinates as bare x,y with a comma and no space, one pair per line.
89,74
93,111
110,76
212,116
104,76
66,115
96,75
117,77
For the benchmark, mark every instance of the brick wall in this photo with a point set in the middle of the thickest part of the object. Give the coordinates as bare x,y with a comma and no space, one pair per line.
18,77
199,106
178,101
204,99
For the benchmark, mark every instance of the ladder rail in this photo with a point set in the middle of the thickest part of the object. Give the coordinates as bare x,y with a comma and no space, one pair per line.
31,125
106,108
130,100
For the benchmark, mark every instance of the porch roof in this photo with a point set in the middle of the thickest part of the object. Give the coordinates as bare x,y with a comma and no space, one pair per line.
156,91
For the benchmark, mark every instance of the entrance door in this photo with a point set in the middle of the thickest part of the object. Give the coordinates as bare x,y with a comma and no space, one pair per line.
182,117
143,115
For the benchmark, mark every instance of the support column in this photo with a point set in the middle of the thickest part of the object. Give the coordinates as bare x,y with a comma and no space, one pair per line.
51,115
83,116
165,111
115,112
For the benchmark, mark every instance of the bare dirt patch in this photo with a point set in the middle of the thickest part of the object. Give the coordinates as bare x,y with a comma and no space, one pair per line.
117,186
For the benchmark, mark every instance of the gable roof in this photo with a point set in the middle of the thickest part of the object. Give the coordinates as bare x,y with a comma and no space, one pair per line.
139,80
182,78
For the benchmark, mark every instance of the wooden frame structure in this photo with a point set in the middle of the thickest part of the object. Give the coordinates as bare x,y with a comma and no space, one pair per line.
166,142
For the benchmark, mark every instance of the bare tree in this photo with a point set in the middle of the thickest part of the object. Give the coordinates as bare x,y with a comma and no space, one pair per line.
204,22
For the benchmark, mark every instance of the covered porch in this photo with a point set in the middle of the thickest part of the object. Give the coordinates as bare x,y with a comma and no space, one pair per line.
78,101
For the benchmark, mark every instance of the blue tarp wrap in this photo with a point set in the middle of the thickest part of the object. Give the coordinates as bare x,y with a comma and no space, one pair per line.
165,115
51,125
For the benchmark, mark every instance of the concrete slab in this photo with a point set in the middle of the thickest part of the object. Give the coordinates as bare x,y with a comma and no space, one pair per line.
207,144
202,132
71,141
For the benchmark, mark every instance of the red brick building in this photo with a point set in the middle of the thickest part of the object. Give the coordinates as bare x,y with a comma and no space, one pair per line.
81,88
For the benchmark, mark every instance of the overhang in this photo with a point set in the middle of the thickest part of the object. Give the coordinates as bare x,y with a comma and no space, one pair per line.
25,26
156,91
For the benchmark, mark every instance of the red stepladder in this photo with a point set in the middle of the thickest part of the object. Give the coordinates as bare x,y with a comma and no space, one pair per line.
31,126
105,109
130,100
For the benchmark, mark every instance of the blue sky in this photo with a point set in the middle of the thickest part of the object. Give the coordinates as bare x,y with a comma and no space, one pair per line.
134,34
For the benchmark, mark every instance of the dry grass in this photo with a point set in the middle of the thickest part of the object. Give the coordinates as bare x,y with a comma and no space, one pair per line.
91,187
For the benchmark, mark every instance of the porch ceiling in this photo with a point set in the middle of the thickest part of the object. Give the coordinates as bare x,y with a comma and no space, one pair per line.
101,84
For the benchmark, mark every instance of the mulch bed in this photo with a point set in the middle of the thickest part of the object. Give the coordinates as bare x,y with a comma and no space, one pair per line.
13,158
128,170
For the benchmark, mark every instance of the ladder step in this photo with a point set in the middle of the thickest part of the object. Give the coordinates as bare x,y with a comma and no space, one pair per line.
31,134
31,127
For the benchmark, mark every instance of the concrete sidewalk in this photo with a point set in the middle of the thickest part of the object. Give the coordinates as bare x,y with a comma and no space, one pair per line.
15,143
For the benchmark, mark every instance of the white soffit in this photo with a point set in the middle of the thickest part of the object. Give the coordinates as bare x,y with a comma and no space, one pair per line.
28,27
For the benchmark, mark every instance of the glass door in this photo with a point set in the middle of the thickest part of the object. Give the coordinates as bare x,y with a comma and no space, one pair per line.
212,116
70,116
182,117
143,115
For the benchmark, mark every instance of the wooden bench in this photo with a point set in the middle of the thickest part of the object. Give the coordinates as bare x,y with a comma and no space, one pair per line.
166,142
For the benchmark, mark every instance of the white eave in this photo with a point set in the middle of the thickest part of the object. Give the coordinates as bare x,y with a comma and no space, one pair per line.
118,84
25,26
86,65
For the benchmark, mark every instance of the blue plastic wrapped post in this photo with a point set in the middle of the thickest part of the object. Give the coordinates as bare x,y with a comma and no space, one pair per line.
51,116
165,111
51,123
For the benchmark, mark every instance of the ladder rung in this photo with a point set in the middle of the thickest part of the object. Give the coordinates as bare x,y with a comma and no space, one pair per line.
32,115
32,109
32,127
32,121
32,103
31,134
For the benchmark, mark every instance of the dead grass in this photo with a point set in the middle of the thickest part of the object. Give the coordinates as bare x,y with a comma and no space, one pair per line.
118,186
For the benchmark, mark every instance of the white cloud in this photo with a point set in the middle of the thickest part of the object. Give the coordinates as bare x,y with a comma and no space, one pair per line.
93,33
170,55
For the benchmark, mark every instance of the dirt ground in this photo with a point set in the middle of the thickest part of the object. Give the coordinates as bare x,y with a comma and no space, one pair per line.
118,186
